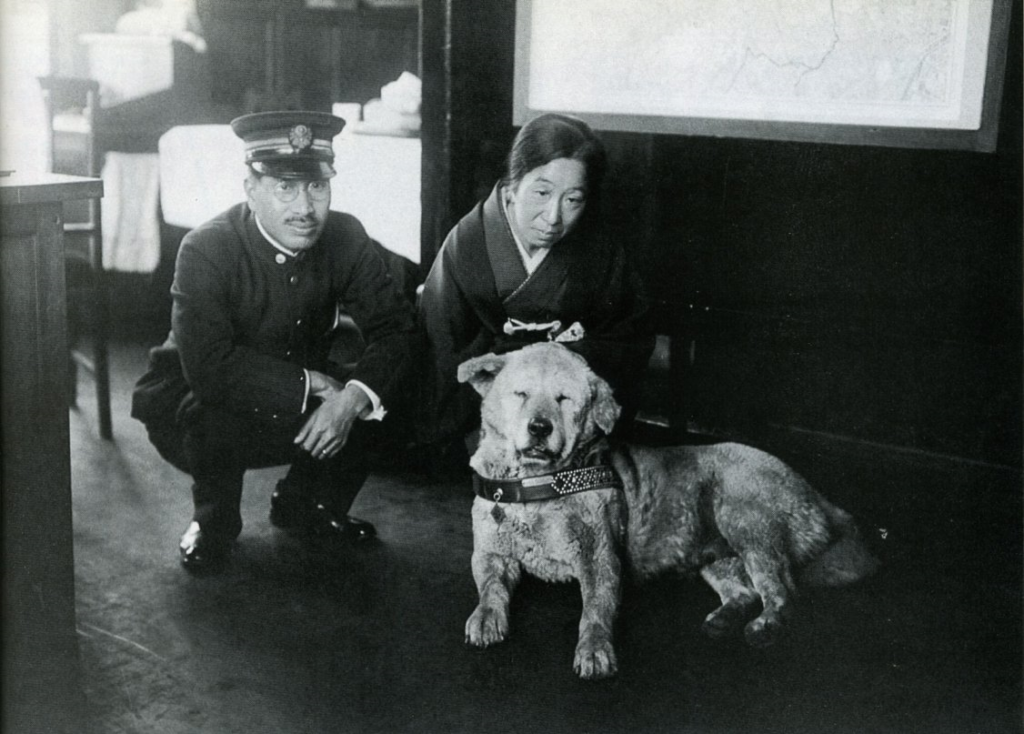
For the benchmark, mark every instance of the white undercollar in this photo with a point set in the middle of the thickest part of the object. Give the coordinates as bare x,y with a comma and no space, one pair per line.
530,262
271,240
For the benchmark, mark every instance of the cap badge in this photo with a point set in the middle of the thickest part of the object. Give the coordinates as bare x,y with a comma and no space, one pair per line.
300,137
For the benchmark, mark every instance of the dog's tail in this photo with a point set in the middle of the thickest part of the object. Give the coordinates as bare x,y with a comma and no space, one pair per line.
846,560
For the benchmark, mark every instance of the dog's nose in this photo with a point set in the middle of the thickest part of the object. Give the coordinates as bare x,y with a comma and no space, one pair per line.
539,428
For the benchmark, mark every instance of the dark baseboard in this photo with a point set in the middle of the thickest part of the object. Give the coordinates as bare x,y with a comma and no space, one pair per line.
659,430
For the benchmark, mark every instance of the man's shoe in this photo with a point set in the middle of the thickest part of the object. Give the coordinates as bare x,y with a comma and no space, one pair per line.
200,550
291,509
345,528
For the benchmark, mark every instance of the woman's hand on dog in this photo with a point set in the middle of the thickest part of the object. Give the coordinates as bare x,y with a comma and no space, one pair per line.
327,429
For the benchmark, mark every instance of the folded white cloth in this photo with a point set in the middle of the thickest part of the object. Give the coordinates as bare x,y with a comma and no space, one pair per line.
513,325
131,229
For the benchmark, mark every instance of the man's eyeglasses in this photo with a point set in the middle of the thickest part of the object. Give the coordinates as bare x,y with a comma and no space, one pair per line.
288,191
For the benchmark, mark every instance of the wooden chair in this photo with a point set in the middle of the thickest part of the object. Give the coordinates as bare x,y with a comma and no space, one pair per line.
73,110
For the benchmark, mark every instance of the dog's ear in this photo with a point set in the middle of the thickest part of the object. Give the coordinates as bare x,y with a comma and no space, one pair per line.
481,371
605,408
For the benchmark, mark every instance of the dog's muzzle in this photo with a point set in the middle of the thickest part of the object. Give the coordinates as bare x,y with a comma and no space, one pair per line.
539,437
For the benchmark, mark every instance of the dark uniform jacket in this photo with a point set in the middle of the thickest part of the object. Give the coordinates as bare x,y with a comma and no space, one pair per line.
478,282
247,319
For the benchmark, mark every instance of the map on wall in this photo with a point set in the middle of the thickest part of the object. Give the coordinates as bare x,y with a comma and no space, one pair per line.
900,63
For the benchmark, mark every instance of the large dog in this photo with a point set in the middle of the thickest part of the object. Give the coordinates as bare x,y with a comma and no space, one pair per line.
559,500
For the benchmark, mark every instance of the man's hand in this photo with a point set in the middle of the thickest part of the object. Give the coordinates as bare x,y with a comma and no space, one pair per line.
327,429
321,385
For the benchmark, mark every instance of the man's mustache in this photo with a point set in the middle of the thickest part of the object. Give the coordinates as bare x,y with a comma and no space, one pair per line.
303,221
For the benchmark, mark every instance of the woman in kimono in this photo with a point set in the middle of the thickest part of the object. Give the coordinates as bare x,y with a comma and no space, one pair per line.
529,264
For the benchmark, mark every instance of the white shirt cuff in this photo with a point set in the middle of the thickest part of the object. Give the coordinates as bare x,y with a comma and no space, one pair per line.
305,394
378,411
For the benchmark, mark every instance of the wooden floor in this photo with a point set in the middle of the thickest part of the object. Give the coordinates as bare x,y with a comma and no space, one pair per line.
292,639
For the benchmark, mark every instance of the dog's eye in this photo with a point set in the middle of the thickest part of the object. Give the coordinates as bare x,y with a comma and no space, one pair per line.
562,398
520,394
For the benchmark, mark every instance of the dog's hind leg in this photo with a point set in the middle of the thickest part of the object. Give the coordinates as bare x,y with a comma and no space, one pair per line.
770,575
496,578
760,542
740,601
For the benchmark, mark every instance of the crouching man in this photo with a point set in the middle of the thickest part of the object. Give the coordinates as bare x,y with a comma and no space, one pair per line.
244,380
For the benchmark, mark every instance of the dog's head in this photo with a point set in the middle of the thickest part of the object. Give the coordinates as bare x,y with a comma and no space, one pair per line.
539,405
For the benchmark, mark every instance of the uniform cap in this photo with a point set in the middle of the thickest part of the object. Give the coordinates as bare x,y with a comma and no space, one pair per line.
289,144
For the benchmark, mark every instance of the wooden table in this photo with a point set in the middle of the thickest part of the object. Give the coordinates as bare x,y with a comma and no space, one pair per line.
40,686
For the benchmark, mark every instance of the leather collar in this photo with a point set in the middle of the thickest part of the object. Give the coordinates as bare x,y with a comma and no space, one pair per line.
598,474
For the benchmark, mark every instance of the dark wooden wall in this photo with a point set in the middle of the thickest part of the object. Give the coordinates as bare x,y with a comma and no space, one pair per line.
860,294
467,108
273,54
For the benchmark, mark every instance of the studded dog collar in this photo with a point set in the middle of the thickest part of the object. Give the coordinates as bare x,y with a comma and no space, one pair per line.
549,486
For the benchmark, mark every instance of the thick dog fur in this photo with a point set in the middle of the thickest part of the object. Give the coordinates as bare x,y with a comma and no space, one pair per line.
748,524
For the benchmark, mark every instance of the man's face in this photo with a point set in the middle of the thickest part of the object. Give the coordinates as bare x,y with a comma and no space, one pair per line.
293,212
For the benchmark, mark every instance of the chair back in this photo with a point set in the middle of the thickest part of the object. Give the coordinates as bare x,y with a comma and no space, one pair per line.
72,106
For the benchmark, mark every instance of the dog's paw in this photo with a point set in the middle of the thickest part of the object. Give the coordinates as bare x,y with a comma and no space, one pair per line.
595,660
763,631
486,627
728,619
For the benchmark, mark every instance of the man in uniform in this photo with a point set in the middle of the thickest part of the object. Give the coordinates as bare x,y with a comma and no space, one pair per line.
244,379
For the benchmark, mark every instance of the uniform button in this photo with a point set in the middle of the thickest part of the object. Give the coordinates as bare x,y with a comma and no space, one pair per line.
280,259
274,416
298,322
288,353
294,279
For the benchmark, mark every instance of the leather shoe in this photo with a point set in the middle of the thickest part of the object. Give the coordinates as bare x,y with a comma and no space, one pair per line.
200,550
290,509
346,528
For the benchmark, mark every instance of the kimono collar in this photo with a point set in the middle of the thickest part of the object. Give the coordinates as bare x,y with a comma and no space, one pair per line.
507,266
510,276
530,262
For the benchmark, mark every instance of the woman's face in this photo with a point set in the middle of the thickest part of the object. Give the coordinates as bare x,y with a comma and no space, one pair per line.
548,202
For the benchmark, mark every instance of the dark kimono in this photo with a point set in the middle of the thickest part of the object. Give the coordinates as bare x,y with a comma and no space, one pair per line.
478,283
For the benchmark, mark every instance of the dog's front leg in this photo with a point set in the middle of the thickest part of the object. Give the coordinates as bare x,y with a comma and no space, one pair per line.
600,585
496,578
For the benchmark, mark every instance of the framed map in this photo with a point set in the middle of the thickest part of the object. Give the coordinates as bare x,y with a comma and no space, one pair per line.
919,73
